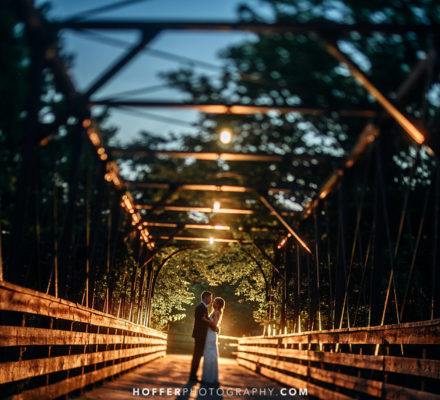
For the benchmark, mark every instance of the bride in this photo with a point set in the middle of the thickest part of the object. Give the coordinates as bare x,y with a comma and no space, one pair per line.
210,352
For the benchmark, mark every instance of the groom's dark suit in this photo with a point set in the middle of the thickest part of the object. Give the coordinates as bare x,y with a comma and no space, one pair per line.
199,334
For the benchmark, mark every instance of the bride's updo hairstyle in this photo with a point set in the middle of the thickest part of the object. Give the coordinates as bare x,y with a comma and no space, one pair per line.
220,303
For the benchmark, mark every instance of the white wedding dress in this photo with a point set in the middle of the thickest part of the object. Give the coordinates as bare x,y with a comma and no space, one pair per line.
210,357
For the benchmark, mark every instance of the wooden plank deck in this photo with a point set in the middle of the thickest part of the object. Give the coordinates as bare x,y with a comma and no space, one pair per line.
172,372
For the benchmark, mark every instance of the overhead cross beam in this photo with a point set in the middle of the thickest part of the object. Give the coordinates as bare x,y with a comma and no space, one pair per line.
204,156
210,210
239,109
323,27
215,227
205,239
186,226
215,188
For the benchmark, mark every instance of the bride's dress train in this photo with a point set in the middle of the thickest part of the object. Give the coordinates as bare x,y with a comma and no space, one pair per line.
210,357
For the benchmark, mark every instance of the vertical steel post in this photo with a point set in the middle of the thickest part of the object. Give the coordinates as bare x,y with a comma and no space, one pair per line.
434,275
298,287
317,210
1,253
329,266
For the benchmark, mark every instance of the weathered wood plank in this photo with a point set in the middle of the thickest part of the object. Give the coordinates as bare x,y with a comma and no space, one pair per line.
402,365
28,336
424,332
18,370
17,298
258,340
291,381
68,385
171,373
370,387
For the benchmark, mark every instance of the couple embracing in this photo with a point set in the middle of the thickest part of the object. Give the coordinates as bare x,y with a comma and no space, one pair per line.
205,334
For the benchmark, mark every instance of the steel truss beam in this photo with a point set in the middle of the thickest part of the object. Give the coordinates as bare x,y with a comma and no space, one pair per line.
368,136
215,188
247,157
204,239
255,27
399,117
210,210
239,109
121,63
215,227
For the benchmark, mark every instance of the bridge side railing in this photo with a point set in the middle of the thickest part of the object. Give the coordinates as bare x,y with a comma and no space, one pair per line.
51,347
392,362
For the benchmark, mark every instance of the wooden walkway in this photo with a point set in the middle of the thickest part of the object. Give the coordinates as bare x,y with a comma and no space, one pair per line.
172,372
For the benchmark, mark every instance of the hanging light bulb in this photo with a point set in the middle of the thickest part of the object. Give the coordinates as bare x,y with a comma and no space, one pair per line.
225,136
211,240
216,206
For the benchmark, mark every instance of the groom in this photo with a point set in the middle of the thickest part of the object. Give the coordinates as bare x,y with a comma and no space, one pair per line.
199,333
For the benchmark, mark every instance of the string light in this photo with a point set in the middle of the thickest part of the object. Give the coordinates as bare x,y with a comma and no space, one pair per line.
112,175
225,136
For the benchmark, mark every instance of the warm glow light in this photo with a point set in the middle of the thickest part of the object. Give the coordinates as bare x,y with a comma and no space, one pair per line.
216,206
429,151
116,180
225,136
94,137
211,240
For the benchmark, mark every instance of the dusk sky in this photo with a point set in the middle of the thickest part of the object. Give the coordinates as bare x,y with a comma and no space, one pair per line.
92,56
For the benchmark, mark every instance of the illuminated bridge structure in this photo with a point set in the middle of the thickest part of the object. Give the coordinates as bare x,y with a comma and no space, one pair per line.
54,346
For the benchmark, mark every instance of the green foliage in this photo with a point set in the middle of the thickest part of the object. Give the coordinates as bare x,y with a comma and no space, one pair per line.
223,269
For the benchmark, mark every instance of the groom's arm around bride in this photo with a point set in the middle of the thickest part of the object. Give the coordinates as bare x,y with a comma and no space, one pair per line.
199,332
